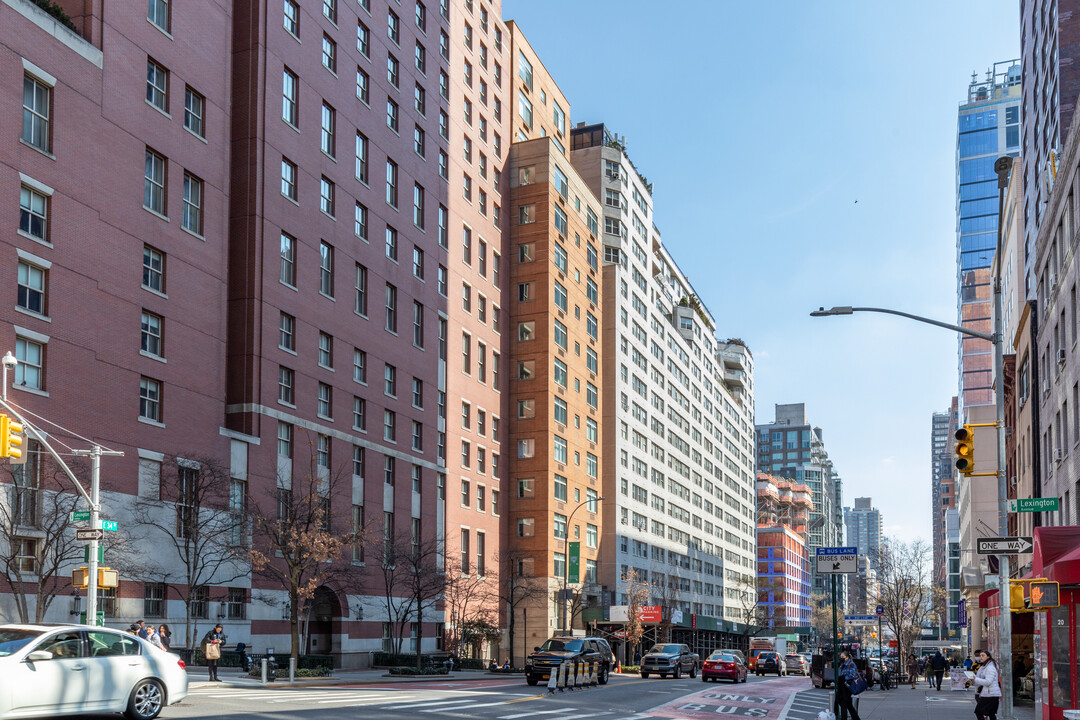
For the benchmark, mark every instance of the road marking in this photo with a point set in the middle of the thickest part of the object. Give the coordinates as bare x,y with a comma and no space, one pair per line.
538,712
378,699
524,698
787,706
466,706
425,703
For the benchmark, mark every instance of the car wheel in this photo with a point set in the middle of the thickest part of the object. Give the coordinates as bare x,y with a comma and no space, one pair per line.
693,671
603,677
147,699
677,673
531,680
704,679
644,675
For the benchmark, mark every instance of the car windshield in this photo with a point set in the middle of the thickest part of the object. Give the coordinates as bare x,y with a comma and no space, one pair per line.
723,657
666,649
11,641
557,645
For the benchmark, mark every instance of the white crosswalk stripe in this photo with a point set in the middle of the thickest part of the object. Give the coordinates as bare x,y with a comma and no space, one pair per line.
368,699
424,704
537,712
465,706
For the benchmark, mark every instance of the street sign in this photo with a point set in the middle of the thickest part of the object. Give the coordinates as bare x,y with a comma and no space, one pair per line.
962,616
860,620
575,562
1034,505
80,516
1004,546
113,526
89,534
880,610
837,560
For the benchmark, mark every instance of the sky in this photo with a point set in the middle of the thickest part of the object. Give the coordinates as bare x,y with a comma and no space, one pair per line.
802,155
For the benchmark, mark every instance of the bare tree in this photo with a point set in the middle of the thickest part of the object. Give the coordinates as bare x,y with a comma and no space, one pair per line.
414,578
517,588
468,607
749,597
904,580
200,540
295,540
37,535
638,592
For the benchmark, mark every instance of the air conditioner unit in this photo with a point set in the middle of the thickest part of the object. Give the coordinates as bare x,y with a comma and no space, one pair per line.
1061,356
1058,455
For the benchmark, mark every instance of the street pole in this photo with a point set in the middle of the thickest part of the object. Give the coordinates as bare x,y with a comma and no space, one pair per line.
95,522
835,632
1002,167
880,657
567,623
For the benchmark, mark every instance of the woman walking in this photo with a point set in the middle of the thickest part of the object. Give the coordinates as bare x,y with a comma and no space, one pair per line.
913,670
212,650
844,678
988,692
166,637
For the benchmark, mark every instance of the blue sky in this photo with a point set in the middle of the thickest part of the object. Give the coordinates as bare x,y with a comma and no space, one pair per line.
761,125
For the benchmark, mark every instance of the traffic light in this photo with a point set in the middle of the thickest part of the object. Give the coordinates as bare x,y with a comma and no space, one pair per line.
1016,596
965,450
1044,594
11,439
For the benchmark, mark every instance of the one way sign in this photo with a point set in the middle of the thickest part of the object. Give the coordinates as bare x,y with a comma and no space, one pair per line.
1004,546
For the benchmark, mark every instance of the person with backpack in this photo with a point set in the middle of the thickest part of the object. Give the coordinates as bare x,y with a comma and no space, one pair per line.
848,681
987,692
939,664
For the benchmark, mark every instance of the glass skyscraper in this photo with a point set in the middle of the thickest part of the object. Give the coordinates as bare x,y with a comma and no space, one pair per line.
988,127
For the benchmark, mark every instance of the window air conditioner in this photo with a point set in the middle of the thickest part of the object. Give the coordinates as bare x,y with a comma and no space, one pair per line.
1061,356
1058,455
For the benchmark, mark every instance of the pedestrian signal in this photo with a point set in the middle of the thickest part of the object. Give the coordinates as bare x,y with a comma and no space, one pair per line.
1044,594
965,450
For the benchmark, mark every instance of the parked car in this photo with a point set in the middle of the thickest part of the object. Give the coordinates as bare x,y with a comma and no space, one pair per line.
796,664
723,664
51,670
769,662
606,647
670,659
556,650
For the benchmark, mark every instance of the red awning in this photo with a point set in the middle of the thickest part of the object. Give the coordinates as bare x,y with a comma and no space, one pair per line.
1057,554
988,599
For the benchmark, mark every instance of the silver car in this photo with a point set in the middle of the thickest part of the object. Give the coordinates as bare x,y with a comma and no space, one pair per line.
51,670
797,665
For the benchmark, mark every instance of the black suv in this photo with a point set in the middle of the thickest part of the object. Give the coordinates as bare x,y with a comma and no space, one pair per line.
549,656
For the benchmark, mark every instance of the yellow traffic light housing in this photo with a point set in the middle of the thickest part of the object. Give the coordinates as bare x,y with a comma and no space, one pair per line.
1016,596
11,438
965,450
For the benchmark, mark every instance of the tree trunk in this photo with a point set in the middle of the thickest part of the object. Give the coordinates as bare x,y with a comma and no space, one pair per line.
419,636
294,623
511,626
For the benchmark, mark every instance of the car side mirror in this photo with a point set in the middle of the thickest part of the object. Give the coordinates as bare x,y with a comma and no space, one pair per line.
39,655
536,649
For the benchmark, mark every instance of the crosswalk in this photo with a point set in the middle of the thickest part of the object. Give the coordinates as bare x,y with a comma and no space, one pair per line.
807,704
417,702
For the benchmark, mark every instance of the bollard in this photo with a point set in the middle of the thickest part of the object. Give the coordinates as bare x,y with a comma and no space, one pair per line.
292,669
262,664
562,671
553,680
592,675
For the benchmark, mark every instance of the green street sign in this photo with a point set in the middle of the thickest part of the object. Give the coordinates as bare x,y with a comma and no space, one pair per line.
575,562
100,554
1034,505
110,525
80,516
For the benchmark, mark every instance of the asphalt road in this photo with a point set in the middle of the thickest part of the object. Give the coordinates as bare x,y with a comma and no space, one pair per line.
624,698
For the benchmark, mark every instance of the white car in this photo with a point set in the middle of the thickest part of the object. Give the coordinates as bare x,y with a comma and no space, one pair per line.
52,670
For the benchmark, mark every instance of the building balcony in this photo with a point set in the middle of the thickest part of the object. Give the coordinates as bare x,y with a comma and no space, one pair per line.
735,377
732,358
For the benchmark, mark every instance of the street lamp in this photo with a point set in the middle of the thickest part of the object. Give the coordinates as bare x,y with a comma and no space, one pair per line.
1002,167
76,603
566,562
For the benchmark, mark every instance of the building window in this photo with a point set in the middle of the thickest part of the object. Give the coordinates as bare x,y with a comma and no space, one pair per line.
418,324
391,183
33,213
237,604
391,308
418,205
157,12
30,372
31,293
326,195
360,304
359,366
360,222
363,86
391,114
154,600
290,97
193,200
194,111
37,97
285,385
361,157
152,340
288,178
287,332
154,182
326,401
391,243
328,123
326,350
329,54
157,85
284,440
288,260
149,398
153,269
363,39
390,380
326,269
291,20
393,70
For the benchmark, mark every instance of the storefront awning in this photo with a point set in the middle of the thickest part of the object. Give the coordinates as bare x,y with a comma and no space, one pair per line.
1057,554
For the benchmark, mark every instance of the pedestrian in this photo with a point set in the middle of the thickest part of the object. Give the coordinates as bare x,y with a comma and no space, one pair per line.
142,632
1018,673
844,677
166,637
212,650
938,663
154,637
988,692
967,663
913,669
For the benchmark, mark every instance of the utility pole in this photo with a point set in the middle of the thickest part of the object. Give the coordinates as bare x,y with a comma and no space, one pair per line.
835,632
95,454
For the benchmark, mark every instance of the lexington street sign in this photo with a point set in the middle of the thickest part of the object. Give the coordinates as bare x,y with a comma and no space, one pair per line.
837,560
1004,546
1034,505
80,516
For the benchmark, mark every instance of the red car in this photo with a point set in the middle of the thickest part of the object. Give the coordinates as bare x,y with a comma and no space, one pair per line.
723,665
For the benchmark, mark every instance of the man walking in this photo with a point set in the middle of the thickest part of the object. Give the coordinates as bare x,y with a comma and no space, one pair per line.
939,664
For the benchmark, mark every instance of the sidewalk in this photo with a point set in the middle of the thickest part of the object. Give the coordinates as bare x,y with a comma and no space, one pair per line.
925,702
233,677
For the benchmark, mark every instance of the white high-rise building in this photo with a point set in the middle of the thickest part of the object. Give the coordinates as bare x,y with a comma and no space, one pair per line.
678,412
